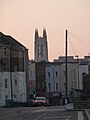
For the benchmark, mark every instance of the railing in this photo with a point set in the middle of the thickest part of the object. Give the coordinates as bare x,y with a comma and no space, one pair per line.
82,102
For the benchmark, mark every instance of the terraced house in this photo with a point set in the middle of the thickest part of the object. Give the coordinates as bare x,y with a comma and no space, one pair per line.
13,70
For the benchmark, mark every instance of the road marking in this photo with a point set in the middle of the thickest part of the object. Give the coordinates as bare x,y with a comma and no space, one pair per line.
40,116
63,117
55,110
43,109
80,116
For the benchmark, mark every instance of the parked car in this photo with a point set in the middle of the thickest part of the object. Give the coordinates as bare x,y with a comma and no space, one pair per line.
40,101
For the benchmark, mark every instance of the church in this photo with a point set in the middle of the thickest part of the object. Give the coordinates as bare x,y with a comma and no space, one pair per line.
41,47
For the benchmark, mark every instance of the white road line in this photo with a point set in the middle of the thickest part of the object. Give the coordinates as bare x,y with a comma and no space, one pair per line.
63,117
55,110
40,116
43,109
80,116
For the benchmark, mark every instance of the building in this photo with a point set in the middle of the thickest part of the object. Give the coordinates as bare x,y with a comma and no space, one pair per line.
84,68
41,47
53,91
40,78
78,71
13,70
86,84
41,57
32,79
72,72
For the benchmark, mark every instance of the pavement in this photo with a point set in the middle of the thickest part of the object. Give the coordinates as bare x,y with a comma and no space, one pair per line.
87,112
70,107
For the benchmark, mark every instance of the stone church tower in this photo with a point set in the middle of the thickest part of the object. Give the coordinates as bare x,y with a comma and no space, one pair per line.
41,47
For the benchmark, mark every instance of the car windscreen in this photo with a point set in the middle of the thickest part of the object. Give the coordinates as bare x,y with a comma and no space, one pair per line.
40,98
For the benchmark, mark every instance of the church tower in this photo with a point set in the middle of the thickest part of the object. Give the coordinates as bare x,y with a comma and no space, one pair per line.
40,47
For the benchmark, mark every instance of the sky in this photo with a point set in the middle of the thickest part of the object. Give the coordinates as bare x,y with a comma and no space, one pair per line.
20,18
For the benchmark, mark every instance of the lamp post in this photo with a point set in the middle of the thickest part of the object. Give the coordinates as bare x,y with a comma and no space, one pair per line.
77,70
66,82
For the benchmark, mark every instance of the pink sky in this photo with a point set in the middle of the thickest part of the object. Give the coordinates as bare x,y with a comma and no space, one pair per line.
19,18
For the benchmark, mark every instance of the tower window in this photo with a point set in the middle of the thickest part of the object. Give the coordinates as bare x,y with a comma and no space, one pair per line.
40,51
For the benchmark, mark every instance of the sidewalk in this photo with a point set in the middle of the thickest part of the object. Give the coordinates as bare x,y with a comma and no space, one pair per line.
80,115
87,111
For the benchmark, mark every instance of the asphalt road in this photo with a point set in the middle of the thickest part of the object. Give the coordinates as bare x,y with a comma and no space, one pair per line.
39,113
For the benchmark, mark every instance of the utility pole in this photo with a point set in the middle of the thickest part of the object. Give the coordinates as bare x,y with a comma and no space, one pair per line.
77,70
66,87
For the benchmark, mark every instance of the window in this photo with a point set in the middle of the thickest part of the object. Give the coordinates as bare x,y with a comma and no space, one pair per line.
5,50
15,82
5,83
6,97
14,95
49,86
40,51
56,86
15,68
42,84
38,85
56,74
31,74
5,66
15,54
38,72
42,72
48,74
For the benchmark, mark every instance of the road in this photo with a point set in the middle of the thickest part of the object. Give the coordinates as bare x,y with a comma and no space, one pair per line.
39,113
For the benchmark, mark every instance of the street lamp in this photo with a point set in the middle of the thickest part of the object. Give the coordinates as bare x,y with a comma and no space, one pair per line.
77,69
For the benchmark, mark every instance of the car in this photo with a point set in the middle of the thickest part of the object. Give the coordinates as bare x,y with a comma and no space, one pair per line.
40,101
